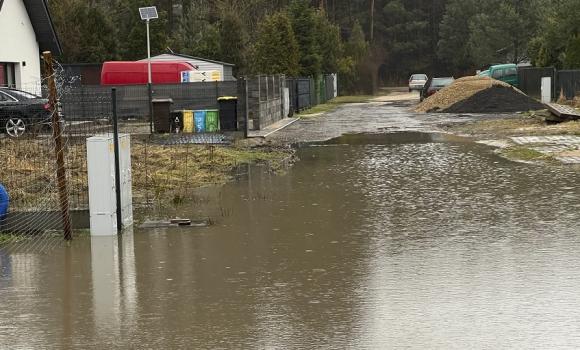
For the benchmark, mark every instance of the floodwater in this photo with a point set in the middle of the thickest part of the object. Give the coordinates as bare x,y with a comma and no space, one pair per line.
380,241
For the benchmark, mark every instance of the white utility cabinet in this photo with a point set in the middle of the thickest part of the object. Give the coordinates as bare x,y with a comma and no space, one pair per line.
101,176
546,89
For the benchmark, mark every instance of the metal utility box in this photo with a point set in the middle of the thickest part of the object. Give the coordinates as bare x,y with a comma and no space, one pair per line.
162,114
101,176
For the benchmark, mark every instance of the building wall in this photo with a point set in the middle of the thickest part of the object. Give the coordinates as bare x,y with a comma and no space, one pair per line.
225,71
18,45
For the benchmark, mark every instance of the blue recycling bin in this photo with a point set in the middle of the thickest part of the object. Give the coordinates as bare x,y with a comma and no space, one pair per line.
4,202
199,118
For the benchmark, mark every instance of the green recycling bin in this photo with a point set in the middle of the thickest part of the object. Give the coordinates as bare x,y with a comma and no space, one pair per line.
212,120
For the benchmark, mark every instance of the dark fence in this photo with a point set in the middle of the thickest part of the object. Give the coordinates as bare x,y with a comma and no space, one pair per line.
530,80
565,82
300,93
569,83
133,101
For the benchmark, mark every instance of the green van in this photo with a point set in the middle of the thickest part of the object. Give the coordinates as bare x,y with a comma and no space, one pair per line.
505,72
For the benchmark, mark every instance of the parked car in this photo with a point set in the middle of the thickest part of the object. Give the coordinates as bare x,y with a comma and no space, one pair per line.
417,82
434,85
21,112
507,73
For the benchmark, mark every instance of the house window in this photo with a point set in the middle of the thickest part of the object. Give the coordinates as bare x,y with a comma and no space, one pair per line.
7,76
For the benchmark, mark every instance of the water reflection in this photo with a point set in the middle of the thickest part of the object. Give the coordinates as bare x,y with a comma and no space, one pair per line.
113,281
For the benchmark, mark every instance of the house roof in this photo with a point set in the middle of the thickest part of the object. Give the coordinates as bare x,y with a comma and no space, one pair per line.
43,27
198,58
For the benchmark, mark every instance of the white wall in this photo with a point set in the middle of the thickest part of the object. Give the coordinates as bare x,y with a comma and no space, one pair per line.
203,65
18,44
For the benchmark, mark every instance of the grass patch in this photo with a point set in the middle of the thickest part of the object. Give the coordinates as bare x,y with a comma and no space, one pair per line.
167,171
159,172
523,153
6,237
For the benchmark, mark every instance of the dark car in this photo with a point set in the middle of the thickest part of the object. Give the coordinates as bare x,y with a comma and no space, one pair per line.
21,112
434,85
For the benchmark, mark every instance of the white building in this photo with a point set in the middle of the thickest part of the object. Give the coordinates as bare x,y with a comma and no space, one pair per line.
26,30
201,64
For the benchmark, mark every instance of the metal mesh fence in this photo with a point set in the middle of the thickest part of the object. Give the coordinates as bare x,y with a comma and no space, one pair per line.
31,140
166,167
306,93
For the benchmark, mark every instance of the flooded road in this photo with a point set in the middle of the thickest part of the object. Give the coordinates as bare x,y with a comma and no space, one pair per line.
378,241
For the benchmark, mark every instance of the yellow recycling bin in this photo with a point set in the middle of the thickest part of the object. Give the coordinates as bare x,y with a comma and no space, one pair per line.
188,122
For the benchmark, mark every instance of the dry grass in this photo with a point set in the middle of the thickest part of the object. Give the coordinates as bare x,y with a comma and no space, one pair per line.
574,102
460,90
170,171
159,172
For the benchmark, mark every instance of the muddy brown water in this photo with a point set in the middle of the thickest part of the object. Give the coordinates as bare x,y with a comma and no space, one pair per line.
369,242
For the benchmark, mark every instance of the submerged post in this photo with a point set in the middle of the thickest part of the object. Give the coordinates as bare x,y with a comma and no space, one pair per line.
58,146
117,161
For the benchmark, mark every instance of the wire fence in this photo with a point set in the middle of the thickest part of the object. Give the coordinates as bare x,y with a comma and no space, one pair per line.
30,173
166,167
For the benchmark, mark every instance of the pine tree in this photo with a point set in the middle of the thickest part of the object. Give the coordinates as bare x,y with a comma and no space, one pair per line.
234,41
304,24
276,49
329,42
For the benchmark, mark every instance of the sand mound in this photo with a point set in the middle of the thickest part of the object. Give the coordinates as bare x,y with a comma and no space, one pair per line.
478,95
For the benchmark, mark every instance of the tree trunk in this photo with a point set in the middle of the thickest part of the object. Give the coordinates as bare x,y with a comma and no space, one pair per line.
372,28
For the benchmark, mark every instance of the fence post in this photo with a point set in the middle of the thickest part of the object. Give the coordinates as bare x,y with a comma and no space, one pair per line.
58,147
297,95
217,91
247,111
117,162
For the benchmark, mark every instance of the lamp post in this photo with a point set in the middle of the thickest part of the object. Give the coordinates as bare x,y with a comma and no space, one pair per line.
147,14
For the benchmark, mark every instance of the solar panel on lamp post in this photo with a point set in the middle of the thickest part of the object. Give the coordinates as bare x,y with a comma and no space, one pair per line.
148,13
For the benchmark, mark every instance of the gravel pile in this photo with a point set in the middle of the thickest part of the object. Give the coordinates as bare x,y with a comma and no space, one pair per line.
478,95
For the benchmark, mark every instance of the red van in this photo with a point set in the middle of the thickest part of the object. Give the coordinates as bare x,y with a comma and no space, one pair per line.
135,73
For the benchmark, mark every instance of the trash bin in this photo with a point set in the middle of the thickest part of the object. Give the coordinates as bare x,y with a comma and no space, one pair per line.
188,125
212,120
176,121
162,114
199,119
228,114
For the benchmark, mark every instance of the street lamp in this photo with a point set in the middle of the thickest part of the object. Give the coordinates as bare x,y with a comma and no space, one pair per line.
147,14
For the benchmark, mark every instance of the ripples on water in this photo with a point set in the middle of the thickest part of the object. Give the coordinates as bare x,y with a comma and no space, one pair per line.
370,242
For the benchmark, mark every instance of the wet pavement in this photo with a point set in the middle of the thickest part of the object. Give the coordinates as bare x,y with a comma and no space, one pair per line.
376,241
389,116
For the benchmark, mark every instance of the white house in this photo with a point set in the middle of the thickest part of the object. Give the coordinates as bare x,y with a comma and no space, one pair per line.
26,30
225,69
